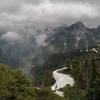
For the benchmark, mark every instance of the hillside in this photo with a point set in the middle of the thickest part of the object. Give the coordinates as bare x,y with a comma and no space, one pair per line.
14,85
84,68
71,52
58,40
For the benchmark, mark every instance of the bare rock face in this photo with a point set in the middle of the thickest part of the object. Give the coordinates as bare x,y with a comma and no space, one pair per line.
74,37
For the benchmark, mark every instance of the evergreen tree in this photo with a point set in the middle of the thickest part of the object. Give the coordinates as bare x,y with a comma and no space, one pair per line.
14,85
91,88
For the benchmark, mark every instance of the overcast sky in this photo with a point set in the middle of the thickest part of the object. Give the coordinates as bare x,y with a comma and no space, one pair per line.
49,11
21,16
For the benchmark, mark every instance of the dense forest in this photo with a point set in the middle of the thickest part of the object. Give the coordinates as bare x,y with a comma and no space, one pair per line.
84,68
33,81
15,86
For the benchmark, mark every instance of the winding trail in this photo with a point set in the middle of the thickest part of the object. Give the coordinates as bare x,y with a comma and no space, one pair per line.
61,81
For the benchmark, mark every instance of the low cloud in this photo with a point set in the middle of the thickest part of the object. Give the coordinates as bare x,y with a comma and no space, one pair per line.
40,40
11,37
51,12
27,17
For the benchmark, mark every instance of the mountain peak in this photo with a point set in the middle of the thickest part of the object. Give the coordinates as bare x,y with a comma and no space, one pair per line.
79,24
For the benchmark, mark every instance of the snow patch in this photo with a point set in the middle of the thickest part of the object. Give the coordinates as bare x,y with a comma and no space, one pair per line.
61,81
94,49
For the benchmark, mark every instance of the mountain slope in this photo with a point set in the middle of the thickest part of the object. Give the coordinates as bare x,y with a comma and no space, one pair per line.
59,40
74,37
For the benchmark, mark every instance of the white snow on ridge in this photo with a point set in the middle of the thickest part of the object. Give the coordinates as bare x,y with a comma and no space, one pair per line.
94,49
61,81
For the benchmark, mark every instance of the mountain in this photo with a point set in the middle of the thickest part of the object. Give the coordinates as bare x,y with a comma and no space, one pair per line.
62,39
72,38
96,33
75,49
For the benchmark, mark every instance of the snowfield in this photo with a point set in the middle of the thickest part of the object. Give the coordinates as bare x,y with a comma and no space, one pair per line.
94,49
61,81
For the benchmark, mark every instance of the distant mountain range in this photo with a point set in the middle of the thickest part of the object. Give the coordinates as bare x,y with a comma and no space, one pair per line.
61,39
72,38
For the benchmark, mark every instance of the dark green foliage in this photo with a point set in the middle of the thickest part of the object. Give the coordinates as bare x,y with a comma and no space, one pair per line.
46,94
93,88
84,69
74,93
47,79
14,85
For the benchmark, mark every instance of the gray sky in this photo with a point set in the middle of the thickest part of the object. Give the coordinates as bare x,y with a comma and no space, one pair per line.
49,11
22,16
